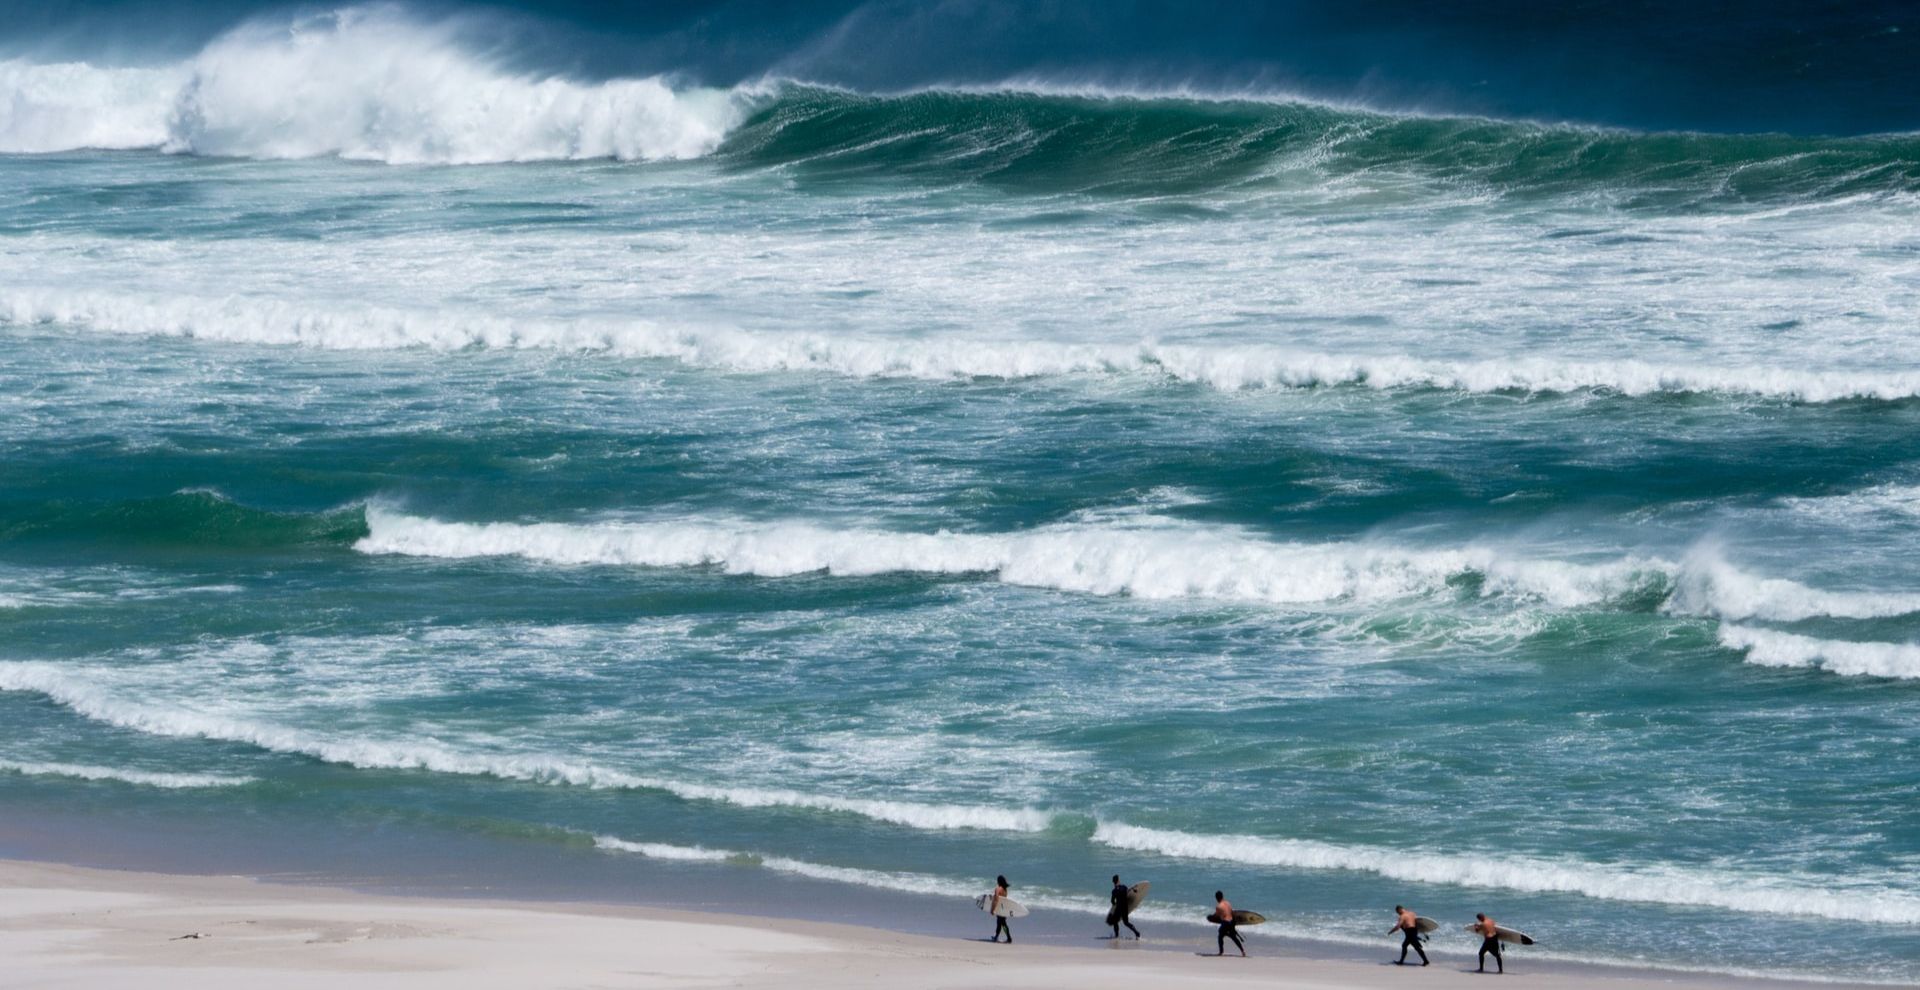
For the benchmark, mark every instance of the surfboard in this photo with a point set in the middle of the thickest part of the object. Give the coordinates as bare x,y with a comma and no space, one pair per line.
1009,908
1425,925
1505,934
1135,894
1241,918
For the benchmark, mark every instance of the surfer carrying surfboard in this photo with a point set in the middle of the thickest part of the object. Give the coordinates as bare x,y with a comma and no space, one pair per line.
1408,925
999,917
1122,899
1223,913
1489,942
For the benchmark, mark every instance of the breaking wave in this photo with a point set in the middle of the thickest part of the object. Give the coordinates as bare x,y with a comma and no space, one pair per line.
348,326
377,83
1772,648
1147,557
1143,556
143,778
1863,902
363,83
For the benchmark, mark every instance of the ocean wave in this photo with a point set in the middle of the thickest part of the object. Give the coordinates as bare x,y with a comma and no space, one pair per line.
377,83
192,517
890,880
914,883
1772,648
143,778
1145,557
1706,584
1028,133
367,83
1891,501
63,106
1225,366
1869,902
85,696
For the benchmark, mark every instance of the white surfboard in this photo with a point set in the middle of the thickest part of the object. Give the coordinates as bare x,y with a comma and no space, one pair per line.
1009,908
1505,934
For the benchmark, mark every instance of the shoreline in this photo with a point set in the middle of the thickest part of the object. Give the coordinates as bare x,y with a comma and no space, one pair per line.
91,927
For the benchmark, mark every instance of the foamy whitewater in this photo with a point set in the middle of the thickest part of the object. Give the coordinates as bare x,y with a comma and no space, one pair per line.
431,461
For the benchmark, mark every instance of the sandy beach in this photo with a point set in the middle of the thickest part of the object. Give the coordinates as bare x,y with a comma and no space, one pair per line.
70,926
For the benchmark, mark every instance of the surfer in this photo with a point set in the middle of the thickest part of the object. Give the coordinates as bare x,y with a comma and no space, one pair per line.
1223,913
1408,925
1000,920
1122,899
1489,942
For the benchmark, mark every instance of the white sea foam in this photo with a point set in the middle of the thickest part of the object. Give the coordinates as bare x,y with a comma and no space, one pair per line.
1872,902
916,883
1898,501
144,778
900,881
1706,584
662,850
344,325
361,82
87,695
1772,648
67,105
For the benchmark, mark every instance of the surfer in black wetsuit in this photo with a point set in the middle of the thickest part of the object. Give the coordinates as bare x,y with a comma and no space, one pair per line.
1122,899
1223,913
1000,920
1489,942
1408,925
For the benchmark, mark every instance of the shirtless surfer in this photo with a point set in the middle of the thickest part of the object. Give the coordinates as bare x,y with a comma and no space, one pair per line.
999,920
1408,925
1122,899
1223,913
1489,942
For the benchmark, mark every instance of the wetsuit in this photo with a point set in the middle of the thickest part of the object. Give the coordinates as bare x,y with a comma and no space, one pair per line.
1491,943
1228,931
1118,916
1000,921
1410,939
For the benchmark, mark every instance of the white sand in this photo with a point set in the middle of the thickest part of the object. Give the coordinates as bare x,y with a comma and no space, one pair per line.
64,926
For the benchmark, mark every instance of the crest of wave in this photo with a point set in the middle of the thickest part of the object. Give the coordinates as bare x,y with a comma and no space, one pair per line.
364,83
66,105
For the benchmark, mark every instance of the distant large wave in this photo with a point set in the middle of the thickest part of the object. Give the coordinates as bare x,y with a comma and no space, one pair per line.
376,84
363,83
1041,137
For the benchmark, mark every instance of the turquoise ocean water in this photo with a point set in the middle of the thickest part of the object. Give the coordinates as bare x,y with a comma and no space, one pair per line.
1341,508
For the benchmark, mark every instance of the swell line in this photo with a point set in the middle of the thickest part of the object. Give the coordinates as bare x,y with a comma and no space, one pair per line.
87,698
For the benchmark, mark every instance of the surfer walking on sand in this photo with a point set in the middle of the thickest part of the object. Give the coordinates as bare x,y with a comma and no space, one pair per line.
999,919
1408,925
1122,899
1489,942
1223,913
